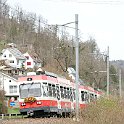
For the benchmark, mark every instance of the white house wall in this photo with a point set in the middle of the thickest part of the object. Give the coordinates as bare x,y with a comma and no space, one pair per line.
29,60
6,81
6,53
17,63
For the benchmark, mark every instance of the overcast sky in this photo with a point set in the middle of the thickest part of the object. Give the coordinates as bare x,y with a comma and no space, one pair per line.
102,20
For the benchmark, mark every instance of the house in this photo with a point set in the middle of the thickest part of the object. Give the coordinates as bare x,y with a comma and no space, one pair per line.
11,45
32,60
72,75
11,71
10,86
14,56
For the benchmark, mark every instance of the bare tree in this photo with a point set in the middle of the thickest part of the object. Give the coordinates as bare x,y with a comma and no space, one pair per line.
3,107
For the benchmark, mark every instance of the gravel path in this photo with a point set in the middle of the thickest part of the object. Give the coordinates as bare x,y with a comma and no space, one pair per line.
38,121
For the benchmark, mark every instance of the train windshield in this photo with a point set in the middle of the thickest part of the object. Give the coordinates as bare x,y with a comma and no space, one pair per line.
30,89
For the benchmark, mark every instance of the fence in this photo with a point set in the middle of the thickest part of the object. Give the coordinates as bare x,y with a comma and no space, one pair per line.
11,116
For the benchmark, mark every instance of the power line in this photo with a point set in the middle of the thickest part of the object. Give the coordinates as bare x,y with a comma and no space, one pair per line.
109,2
100,2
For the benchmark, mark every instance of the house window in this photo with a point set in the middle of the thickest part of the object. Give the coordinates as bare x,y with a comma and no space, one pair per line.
27,57
10,55
22,72
28,63
11,61
16,72
12,89
9,71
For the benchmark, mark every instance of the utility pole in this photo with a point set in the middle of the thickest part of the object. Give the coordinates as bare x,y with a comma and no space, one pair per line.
77,66
108,72
120,88
39,26
77,62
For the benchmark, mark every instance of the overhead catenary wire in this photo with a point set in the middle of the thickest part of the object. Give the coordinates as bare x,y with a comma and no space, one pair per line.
110,2
75,1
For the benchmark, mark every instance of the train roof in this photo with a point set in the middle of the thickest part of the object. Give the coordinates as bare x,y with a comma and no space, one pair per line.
58,80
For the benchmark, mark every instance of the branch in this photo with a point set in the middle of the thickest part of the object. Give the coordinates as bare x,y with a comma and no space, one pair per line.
60,65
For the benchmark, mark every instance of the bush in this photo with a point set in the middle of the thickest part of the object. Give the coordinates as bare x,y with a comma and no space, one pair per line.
3,107
104,111
0,107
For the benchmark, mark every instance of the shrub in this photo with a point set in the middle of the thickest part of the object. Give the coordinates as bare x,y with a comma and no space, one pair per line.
104,111
3,107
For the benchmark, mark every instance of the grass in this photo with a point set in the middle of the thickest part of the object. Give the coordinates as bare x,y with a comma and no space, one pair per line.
2,45
13,111
13,114
103,111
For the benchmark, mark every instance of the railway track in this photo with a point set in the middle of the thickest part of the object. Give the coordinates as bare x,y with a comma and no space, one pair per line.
39,121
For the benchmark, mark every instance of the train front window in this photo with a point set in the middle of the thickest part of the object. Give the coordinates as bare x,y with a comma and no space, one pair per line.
31,89
35,90
24,90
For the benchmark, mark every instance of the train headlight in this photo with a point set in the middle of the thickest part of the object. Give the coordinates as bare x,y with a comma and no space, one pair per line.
39,102
23,104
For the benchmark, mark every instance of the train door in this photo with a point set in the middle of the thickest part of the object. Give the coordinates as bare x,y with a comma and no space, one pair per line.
58,96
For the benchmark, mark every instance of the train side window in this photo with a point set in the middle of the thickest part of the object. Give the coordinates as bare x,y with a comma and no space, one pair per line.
54,90
62,92
95,97
50,90
71,94
86,97
91,97
57,92
45,89
65,94
82,96
68,93
74,94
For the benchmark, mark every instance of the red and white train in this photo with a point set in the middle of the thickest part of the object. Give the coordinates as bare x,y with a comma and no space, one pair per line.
49,94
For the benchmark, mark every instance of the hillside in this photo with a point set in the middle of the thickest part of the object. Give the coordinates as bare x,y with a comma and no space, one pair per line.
56,50
119,64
